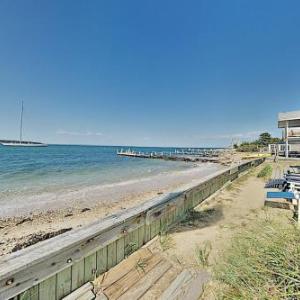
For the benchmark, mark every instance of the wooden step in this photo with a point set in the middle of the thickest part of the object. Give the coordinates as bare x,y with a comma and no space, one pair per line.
139,270
176,287
113,275
85,292
145,283
196,287
160,285
186,286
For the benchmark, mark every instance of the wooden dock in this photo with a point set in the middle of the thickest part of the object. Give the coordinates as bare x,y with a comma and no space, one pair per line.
200,156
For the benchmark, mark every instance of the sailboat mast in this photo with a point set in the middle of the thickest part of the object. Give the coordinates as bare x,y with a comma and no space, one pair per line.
21,124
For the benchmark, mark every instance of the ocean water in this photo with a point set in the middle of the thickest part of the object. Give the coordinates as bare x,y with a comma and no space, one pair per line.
32,171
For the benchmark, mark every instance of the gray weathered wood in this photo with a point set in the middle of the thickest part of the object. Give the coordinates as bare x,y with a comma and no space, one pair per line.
111,255
77,275
63,283
196,287
147,235
154,228
102,260
141,236
156,213
131,242
85,289
31,294
163,223
143,285
101,296
90,265
177,286
87,296
73,254
135,238
120,249
47,289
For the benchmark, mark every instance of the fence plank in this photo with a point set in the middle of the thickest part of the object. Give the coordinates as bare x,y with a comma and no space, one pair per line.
31,294
130,245
90,265
163,224
63,283
135,238
120,249
111,255
77,274
141,236
47,289
102,260
147,234
153,229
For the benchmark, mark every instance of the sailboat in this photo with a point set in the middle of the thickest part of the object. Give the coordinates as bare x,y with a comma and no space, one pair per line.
20,142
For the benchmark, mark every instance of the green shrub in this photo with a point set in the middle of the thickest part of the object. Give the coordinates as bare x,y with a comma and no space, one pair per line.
264,140
247,147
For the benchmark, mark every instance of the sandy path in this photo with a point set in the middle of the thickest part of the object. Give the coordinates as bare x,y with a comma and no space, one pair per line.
33,222
217,220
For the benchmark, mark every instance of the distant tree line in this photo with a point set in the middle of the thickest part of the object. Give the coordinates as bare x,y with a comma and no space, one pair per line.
264,140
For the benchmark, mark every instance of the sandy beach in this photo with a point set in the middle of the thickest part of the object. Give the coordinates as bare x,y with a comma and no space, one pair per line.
27,221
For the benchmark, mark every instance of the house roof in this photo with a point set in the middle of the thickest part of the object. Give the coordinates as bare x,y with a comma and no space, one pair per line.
292,117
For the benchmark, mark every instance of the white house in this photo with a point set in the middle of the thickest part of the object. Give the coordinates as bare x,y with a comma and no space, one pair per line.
290,123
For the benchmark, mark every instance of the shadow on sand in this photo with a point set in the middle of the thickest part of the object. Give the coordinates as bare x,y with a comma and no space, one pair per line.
199,219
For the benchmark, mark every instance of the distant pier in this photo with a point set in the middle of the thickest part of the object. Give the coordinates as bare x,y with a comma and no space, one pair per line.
188,155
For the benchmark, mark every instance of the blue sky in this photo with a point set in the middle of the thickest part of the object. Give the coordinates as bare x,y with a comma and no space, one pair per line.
165,73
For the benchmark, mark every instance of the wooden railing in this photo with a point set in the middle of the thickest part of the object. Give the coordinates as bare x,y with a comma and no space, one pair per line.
54,268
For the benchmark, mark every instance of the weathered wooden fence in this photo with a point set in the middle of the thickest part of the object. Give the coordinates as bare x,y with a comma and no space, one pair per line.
54,268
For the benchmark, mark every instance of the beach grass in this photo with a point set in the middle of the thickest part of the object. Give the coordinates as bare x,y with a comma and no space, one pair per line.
202,254
263,262
130,248
265,172
165,241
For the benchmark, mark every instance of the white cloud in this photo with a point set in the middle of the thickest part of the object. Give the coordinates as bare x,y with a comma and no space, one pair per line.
78,133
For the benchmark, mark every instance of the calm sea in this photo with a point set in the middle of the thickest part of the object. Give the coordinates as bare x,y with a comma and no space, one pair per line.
27,171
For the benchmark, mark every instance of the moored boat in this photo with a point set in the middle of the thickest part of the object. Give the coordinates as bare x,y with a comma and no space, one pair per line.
20,142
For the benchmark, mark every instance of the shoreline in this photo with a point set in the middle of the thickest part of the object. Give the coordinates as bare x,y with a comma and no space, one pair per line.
36,224
92,195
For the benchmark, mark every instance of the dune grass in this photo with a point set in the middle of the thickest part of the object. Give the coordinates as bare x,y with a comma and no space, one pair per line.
263,262
202,254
